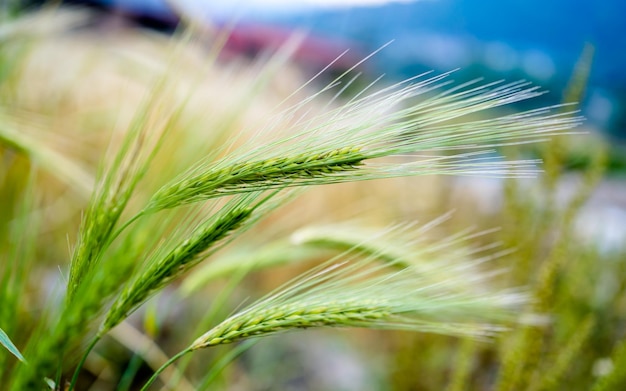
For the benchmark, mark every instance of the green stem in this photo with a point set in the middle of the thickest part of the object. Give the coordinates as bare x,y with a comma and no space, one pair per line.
130,373
90,347
124,226
224,361
211,316
164,367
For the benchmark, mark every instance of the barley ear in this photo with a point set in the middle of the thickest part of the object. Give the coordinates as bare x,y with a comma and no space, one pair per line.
364,293
109,200
255,175
171,262
436,135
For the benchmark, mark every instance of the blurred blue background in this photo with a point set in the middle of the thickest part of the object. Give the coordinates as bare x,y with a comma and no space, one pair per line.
537,40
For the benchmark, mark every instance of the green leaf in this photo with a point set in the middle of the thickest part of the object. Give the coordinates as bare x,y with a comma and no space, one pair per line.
6,342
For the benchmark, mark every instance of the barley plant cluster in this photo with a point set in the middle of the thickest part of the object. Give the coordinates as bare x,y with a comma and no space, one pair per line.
155,171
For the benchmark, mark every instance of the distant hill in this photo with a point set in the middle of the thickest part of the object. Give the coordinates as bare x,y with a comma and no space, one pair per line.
534,39
556,28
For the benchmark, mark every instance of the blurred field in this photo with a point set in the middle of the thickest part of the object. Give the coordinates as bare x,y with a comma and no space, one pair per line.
69,93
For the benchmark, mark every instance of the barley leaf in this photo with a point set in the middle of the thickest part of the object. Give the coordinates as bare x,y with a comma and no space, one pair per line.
8,344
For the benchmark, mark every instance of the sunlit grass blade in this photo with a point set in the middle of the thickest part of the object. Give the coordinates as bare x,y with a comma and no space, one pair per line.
54,162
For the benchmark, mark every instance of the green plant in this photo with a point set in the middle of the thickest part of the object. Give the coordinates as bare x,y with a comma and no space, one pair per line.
163,202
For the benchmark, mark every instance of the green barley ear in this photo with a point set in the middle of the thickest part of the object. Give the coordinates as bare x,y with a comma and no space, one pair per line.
119,180
346,144
364,293
55,342
171,262
350,291
108,202
256,175
359,295
153,121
